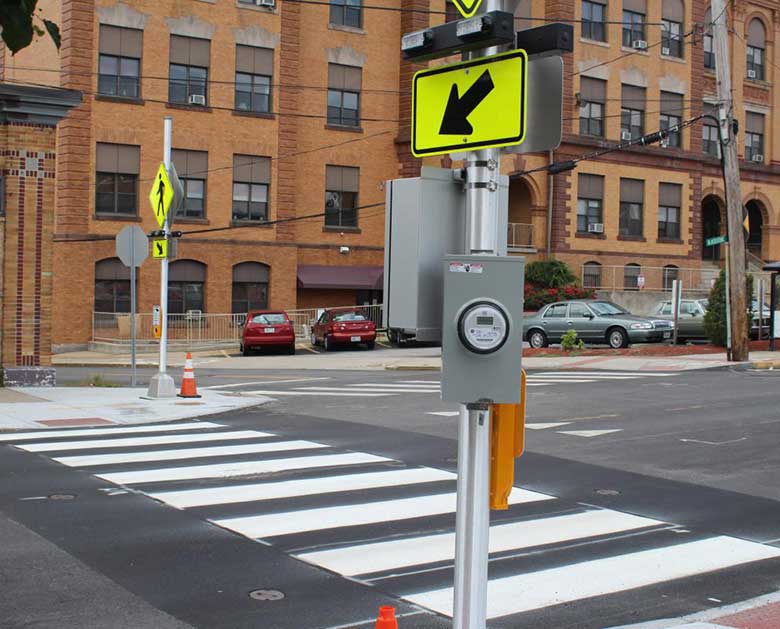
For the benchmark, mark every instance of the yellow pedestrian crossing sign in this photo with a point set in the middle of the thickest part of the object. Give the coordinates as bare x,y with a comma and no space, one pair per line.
161,196
467,8
160,248
470,105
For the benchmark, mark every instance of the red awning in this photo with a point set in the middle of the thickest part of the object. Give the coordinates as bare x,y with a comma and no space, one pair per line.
344,277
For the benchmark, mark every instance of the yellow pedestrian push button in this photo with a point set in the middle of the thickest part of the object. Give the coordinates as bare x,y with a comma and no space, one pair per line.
507,442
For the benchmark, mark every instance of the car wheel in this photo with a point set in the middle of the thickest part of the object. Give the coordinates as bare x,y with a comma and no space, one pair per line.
394,336
537,339
370,344
291,350
245,351
617,338
313,340
327,344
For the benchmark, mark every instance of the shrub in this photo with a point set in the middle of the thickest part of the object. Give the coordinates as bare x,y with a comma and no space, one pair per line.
535,298
715,317
570,342
549,274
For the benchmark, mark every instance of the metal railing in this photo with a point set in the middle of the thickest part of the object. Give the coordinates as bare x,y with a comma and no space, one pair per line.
646,278
197,329
520,235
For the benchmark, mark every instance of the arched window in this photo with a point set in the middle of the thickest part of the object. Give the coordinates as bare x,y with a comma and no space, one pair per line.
250,287
112,286
709,49
631,273
591,275
186,286
756,50
673,16
671,273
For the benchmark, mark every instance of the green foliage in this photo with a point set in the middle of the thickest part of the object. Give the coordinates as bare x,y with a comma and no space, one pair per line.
715,317
549,274
570,342
17,19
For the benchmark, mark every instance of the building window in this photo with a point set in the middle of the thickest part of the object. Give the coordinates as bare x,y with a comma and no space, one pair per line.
754,137
672,18
251,177
631,273
112,286
590,195
186,282
594,16
671,273
346,13
710,134
344,84
671,115
756,46
591,275
192,167
632,194
341,196
119,62
592,99
254,70
669,203
116,179
250,287
633,27
632,113
709,49
189,70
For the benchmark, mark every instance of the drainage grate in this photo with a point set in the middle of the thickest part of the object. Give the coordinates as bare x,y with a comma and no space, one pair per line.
266,595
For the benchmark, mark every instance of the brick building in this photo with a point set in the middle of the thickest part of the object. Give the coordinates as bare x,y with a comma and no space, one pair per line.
285,109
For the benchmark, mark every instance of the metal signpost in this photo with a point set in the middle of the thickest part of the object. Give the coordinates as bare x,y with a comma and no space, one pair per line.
676,296
132,248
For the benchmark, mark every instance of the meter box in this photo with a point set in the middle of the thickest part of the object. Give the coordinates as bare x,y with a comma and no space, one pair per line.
425,220
482,328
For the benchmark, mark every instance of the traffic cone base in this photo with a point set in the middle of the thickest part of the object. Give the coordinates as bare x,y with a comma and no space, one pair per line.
386,618
188,387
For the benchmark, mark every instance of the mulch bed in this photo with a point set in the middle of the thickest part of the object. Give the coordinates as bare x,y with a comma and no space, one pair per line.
645,349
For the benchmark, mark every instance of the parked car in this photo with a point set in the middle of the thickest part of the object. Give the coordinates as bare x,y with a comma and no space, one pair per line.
690,322
267,328
595,321
343,327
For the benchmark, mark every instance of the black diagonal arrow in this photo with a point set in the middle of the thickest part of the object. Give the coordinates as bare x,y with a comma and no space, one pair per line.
455,121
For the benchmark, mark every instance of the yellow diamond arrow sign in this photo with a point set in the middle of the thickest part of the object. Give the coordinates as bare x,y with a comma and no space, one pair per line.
161,195
467,8
470,105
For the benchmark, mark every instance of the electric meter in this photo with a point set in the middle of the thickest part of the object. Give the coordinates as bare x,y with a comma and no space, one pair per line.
483,327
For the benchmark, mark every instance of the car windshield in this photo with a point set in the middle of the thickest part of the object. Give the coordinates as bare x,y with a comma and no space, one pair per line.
269,319
606,308
349,316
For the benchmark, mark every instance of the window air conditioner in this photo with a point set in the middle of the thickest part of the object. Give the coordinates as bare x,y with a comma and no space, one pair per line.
625,136
751,74
639,44
596,228
759,159
664,143
197,99
266,3
666,52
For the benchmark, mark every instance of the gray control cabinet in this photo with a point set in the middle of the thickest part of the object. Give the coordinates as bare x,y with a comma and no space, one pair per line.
425,219
482,328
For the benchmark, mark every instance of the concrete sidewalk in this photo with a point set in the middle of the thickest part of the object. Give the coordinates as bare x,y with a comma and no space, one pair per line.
65,407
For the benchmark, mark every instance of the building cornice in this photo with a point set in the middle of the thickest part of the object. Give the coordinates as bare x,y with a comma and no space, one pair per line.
41,105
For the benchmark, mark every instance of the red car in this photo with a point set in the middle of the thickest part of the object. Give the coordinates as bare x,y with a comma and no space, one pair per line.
267,328
343,327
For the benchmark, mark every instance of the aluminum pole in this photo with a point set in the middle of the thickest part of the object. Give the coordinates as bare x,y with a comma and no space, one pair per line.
132,317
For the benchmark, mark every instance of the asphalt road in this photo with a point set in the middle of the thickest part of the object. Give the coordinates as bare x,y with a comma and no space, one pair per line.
639,497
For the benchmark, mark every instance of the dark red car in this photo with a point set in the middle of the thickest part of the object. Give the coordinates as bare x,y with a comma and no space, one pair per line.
267,328
343,327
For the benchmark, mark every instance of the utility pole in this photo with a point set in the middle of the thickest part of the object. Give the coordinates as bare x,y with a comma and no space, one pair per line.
734,212
162,385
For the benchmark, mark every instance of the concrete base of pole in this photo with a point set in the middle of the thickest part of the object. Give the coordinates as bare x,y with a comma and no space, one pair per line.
160,386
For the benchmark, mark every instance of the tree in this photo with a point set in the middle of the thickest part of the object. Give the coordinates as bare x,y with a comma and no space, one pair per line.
715,317
549,274
19,21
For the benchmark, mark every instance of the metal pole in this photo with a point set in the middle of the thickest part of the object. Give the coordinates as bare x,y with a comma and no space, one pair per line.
734,211
161,384
760,308
675,307
773,307
727,289
132,317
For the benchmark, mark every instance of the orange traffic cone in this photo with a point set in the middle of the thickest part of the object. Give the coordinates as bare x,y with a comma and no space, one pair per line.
188,388
386,618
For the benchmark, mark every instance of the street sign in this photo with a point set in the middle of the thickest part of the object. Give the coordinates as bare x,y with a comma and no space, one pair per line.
717,240
467,8
470,105
161,195
132,246
160,248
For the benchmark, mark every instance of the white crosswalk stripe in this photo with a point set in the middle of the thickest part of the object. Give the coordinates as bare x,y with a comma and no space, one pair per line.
371,518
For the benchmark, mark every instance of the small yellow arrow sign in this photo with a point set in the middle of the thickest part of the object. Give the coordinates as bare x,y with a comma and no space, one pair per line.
467,8
160,248
161,195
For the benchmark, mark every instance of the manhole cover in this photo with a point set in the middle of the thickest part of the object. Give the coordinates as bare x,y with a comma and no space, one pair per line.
266,595
62,496
607,492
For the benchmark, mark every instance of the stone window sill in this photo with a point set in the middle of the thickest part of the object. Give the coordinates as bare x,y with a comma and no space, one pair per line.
254,114
632,238
253,7
263,224
117,217
186,107
589,235
669,241
191,221
759,83
334,228
339,127
646,53
118,99
594,42
346,29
